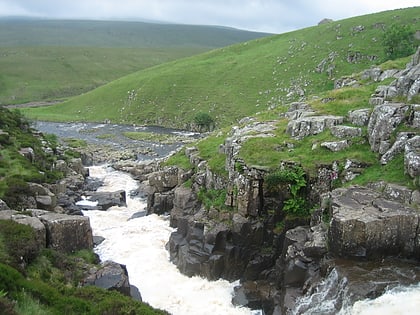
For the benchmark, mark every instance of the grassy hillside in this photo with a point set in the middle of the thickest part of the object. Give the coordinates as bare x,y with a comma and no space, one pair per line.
48,60
239,80
33,32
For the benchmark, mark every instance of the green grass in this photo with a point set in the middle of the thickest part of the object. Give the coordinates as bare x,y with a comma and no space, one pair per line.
392,172
179,159
78,33
54,73
236,81
209,151
14,167
55,59
75,143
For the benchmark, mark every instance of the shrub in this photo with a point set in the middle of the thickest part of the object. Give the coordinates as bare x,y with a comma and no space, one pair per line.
293,179
204,121
399,41
19,241
16,187
10,279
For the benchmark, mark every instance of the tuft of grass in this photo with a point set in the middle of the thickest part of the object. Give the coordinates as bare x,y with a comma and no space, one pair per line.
209,150
75,143
179,159
27,305
392,172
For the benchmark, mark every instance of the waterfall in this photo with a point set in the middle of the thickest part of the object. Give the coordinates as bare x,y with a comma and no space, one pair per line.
331,296
327,298
139,243
401,300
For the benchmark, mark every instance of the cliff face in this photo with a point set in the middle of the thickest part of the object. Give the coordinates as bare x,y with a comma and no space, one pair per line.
276,262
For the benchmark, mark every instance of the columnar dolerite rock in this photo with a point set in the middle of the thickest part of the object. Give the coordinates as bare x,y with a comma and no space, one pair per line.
67,233
110,276
364,224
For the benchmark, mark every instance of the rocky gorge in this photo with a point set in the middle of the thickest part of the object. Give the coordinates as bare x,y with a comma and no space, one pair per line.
363,238
349,226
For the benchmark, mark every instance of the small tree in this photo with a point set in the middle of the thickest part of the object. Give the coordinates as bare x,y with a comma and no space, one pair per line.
399,41
204,121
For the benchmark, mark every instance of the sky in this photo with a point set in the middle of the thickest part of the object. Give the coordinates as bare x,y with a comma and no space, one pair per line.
273,16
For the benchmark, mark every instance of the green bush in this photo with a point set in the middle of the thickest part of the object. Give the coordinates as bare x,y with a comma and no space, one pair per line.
399,41
19,241
293,179
204,121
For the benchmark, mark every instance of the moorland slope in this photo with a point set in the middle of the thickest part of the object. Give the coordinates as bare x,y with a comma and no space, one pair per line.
54,59
230,83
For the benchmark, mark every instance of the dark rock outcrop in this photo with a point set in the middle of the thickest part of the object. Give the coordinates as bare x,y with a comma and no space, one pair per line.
106,200
112,276
364,224
67,233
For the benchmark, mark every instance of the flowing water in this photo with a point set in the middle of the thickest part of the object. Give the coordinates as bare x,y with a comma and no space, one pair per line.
332,297
139,243
112,135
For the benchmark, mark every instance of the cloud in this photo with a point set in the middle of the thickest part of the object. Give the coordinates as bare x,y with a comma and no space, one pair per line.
261,15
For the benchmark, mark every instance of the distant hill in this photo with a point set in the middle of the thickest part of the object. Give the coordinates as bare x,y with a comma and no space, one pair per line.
34,32
240,80
53,59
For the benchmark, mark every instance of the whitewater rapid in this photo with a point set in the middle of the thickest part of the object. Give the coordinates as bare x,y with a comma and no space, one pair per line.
139,243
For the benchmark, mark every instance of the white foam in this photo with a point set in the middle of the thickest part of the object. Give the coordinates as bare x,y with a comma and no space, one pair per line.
140,244
400,300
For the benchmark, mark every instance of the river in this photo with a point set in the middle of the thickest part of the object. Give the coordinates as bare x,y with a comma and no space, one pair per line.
139,241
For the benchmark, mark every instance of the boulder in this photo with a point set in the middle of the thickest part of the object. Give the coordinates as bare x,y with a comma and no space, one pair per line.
66,233
28,153
397,147
3,205
365,224
298,109
161,203
164,180
412,158
312,125
76,165
383,121
106,200
407,83
45,199
112,276
335,146
359,117
36,225
185,203
345,131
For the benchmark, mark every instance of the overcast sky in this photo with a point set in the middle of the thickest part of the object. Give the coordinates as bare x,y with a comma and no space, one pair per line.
275,16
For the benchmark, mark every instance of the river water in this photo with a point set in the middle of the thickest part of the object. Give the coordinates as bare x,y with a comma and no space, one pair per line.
139,242
112,135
